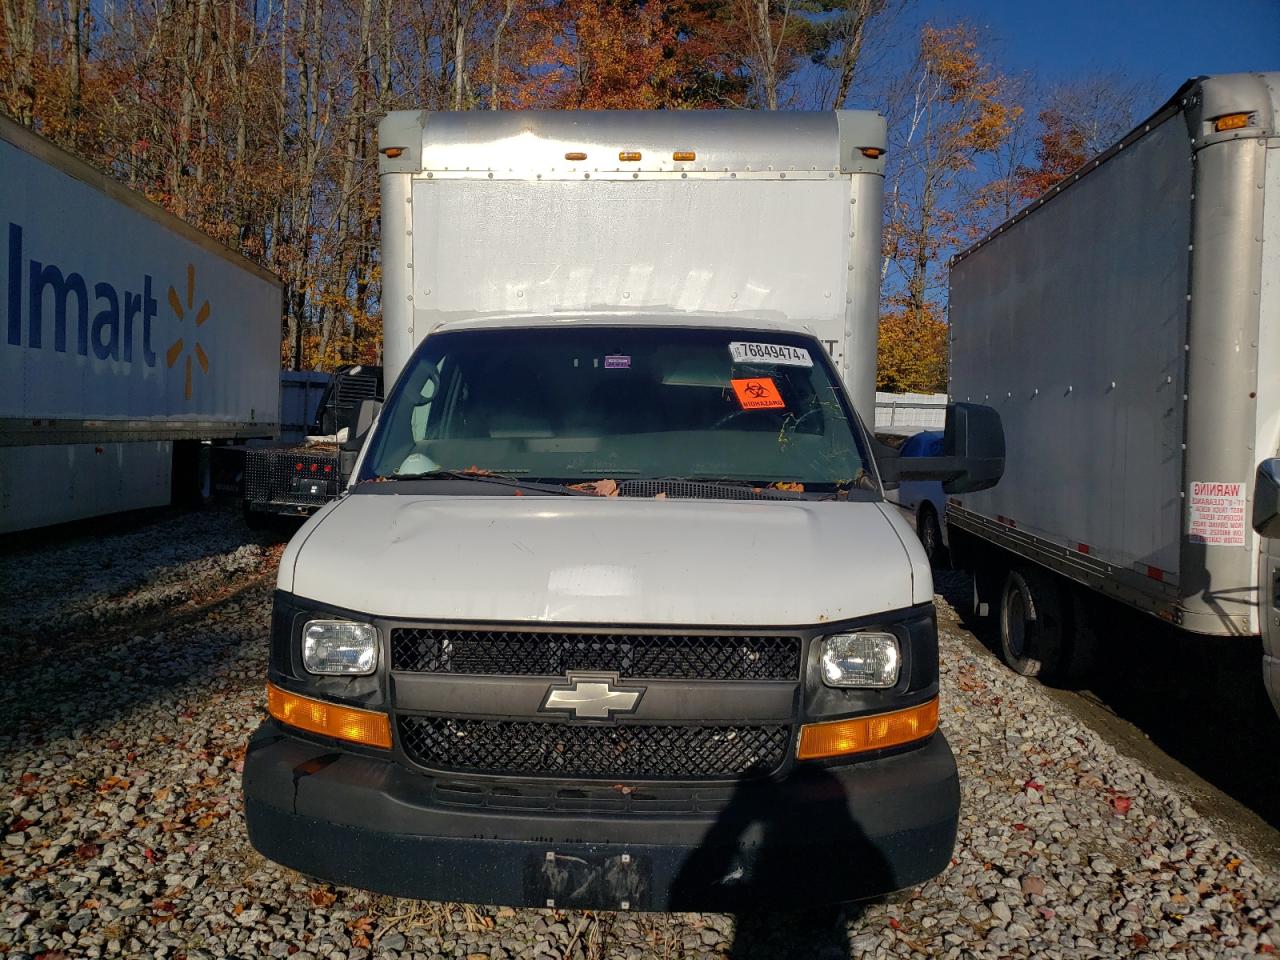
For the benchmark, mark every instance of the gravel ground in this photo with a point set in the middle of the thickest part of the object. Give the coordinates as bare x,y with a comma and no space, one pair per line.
123,833
78,586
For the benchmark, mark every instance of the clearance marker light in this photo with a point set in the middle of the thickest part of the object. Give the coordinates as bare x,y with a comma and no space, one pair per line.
872,152
575,155
1232,121
392,152
629,155
329,719
841,737
684,156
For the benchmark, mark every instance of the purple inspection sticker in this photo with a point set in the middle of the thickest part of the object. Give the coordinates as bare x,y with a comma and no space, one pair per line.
617,362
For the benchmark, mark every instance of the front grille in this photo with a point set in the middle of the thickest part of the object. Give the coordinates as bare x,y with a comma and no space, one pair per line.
640,656
593,751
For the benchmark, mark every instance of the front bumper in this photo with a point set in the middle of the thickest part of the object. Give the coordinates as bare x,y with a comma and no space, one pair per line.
824,834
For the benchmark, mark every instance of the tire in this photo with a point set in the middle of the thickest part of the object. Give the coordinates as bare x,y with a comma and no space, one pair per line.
930,534
1033,624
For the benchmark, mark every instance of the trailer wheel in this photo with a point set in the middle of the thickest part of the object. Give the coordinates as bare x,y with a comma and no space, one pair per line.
254,519
930,534
1032,623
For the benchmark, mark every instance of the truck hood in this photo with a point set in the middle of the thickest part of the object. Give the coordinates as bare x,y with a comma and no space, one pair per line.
607,560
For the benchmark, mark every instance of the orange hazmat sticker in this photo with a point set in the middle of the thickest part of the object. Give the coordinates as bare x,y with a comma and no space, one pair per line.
758,393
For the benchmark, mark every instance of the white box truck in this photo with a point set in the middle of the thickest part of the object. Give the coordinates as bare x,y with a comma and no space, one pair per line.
614,613
127,339
1121,325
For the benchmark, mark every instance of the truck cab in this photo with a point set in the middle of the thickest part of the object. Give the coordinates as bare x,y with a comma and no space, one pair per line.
614,613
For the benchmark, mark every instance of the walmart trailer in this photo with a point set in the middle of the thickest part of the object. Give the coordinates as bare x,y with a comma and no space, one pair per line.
128,342
1127,328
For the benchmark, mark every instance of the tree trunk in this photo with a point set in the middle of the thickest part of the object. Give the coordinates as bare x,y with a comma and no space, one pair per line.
75,15
495,81
857,14
459,53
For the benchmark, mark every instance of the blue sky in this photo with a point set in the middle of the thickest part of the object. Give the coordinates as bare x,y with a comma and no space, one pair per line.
1163,41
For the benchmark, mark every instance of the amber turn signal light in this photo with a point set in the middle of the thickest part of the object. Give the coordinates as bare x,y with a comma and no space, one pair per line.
1232,121
872,152
860,734
392,152
329,719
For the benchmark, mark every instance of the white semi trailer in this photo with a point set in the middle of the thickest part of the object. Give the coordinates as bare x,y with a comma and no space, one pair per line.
1127,327
127,340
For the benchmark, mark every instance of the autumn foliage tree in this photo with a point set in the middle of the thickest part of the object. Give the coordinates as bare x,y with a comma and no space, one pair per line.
913,351
257,122
954,113
1081,120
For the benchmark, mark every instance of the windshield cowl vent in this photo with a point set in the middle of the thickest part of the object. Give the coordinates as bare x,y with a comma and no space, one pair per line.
696,490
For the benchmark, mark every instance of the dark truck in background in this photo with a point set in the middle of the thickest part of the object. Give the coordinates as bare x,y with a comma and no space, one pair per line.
296,479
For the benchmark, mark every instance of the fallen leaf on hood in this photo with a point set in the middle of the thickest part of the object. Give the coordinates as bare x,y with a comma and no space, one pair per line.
600,488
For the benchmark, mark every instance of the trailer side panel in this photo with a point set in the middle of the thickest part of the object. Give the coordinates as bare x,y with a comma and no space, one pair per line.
1072,323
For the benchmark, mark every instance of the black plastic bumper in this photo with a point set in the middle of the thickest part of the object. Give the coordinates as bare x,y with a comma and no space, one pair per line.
822,835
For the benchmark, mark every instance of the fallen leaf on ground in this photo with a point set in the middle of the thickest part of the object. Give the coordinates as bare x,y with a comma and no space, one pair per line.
323,898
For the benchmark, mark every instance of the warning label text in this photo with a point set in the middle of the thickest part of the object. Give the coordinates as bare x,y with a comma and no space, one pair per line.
1216,514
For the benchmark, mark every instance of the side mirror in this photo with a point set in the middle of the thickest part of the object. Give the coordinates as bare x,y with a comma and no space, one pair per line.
972,453
1266,499
366,413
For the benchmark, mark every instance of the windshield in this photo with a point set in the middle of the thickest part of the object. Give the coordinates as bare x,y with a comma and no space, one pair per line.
573,404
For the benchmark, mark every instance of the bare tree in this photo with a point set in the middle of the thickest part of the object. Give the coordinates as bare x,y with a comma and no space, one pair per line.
1102,107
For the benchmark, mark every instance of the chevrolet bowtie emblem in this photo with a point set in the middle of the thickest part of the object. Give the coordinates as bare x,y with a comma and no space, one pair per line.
592,697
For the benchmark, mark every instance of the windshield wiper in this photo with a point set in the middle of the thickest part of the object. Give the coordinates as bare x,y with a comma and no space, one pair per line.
499,479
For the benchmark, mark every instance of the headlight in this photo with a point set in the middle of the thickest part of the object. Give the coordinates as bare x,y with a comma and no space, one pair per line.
339,648
860,660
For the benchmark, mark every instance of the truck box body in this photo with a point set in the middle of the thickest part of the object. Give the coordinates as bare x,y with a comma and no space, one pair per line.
122,330
1122,325
487,214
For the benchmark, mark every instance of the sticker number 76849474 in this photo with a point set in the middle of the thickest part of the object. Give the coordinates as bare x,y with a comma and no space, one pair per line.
779,354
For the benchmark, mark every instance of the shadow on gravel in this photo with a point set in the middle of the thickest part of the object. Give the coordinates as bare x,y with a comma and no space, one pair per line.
92,689
1198,699
803,840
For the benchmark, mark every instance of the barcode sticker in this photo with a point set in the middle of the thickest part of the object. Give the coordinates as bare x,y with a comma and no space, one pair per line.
775,353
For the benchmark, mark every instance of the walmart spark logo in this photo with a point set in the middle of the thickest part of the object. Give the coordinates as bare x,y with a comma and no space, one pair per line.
175,352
